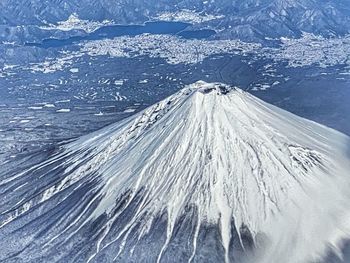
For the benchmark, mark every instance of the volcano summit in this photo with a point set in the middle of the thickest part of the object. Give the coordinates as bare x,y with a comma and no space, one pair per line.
210,174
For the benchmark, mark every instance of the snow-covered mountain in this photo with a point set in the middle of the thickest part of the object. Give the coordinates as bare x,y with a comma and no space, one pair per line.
256,19
210,174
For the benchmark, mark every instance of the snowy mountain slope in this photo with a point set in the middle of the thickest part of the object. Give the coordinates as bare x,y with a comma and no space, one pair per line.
258,19
210,174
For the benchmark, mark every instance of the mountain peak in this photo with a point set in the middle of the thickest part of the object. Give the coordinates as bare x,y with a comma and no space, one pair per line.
218,88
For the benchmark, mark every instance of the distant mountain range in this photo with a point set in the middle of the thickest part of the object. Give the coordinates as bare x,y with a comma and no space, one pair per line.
252,20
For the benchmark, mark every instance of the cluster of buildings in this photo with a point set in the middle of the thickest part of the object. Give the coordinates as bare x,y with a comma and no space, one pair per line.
312,50
186,15
173,49
309,50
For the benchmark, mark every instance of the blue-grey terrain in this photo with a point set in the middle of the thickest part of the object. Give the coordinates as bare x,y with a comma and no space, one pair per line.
251,20
119,141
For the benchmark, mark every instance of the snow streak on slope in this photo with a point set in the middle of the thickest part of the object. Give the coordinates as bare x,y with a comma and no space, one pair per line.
211,155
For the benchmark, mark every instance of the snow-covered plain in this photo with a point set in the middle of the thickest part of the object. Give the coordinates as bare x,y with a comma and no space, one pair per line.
233,160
